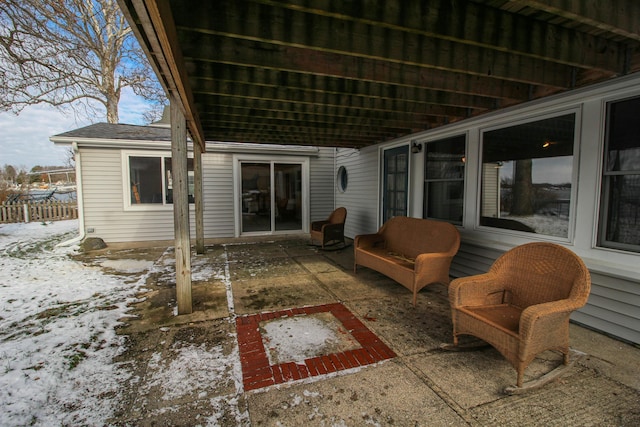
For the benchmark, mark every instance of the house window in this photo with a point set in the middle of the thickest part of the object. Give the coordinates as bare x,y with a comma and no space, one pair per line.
526,176
444,179
146,182
619,226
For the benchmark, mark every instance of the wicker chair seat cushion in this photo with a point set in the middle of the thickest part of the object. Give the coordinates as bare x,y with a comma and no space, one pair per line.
386,255
505,317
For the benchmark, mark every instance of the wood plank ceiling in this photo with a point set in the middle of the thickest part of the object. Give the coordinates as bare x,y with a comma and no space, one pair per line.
351,73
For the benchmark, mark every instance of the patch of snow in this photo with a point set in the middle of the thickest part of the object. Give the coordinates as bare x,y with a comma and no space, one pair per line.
57,339
127,265
544,224
297,338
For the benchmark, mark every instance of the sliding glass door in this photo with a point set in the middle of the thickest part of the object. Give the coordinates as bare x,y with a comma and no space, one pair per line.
271,196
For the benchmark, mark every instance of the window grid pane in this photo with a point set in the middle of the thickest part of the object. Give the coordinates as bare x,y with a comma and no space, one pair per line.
619,226
444,179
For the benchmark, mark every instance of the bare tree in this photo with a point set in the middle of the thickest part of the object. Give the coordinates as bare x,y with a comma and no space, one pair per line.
77,54
523,188
9,173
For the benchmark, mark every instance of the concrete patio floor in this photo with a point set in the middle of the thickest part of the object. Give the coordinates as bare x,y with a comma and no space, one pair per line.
416,384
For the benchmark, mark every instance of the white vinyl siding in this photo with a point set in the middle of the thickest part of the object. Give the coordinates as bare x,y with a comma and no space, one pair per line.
102,181
322,185
613,307
217,177
361,197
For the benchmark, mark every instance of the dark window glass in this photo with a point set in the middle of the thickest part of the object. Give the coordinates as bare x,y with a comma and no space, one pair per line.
147,185
146,180
444,179
620,211
526,176
343,178
169,179
396,182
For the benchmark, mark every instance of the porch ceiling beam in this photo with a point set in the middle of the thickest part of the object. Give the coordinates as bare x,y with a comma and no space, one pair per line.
321,116
323,64
619,17
260,82
331,99
480,23
308,130
485,39
360,127
429,56
296,137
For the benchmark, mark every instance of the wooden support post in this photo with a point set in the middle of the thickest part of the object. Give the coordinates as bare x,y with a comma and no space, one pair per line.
197,193
180,181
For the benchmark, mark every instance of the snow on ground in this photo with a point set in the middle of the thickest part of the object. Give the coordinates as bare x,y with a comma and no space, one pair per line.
544,224
298,338
57,330
58,343
57,335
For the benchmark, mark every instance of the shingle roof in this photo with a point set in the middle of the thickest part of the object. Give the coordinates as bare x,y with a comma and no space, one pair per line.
119,131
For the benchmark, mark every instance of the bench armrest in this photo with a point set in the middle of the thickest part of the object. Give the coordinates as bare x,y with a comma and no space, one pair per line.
368,241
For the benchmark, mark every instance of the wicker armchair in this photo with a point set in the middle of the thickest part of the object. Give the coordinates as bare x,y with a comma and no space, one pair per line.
521,306
331,229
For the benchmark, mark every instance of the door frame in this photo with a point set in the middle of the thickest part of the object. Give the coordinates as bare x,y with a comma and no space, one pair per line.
238,159
383,178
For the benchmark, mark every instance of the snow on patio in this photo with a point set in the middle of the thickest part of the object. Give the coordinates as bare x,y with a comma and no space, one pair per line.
62,361
58,338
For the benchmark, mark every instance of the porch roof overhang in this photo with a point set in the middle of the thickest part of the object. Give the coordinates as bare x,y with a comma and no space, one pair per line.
353,73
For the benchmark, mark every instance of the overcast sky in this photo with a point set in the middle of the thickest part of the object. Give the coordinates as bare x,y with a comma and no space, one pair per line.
24,139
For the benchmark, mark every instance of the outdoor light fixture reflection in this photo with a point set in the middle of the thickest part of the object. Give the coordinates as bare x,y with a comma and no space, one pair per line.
548,144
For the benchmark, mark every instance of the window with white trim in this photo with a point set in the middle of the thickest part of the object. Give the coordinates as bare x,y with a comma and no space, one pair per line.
527,176
444,179
619,226
150,180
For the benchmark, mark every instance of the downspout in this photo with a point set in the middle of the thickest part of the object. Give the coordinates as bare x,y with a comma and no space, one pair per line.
79,198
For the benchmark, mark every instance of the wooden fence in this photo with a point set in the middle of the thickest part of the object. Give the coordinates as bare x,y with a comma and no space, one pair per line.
48,210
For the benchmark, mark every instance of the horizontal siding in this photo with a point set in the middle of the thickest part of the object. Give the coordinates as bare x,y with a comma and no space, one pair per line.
104,211
103,199
104,202
322,174
361,196
217,188
471,260
613,307
600,323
